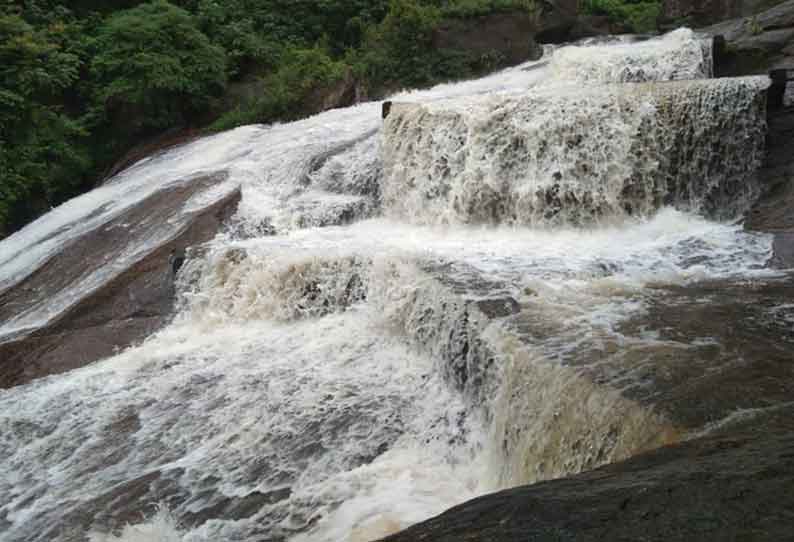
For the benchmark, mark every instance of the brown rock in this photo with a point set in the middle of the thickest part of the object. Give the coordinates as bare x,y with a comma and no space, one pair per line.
508,35
341,93
512,37
129,305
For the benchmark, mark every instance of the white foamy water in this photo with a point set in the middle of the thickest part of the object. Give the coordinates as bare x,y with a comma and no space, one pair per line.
561,155
671,248
310,386
331,411
675,56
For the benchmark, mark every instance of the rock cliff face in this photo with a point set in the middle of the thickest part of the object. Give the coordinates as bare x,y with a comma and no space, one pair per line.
705,12
774,212
757,44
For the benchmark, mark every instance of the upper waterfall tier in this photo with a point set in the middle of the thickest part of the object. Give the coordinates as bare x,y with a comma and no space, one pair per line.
564,154
681,54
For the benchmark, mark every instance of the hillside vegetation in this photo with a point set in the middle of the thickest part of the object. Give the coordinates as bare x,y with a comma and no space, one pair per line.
84,80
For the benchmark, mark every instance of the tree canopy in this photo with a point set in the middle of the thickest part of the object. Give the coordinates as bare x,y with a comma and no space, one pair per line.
82,81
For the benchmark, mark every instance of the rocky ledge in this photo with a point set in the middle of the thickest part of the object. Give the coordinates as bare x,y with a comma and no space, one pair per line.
774,212
755,44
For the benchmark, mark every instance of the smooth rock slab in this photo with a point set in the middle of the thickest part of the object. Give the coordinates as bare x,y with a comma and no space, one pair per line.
130,303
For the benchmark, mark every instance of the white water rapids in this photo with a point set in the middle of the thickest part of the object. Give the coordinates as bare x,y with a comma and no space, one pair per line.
308,389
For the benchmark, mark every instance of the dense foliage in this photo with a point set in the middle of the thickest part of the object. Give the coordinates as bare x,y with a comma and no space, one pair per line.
85,80
635,15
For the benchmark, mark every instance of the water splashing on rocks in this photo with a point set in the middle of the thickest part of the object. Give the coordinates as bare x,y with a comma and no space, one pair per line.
398,317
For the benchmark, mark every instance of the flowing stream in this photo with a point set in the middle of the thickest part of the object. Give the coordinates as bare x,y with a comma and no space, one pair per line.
399,316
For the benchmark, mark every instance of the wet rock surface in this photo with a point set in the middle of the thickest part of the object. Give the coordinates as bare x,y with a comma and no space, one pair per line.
131,304
734,484
774,212
694,355
720,348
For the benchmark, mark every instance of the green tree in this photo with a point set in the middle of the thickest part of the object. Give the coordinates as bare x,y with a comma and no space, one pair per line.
637,15
154,68
400,48
40,145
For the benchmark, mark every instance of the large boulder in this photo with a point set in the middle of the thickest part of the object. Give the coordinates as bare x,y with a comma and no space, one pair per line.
705,12
116,280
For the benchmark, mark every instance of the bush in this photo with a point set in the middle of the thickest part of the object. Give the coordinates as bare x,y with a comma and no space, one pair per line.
286,90
154,68
400,48
474,8
41,156
638,16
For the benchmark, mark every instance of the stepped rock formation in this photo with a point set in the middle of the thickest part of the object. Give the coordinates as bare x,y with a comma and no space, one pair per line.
539,277
728,397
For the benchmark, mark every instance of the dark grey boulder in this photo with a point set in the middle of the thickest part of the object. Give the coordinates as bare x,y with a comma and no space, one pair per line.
734,484
755,44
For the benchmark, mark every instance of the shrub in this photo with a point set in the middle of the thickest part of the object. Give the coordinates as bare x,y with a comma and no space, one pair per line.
154,68
286,90
639,16
40,145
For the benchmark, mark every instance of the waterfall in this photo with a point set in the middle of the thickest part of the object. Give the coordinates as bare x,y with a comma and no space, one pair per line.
402,315
559,155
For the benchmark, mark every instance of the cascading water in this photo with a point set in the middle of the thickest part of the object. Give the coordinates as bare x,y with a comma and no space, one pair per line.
327,382
568,155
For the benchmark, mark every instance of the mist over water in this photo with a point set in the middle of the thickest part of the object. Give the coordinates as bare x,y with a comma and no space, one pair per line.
337,370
